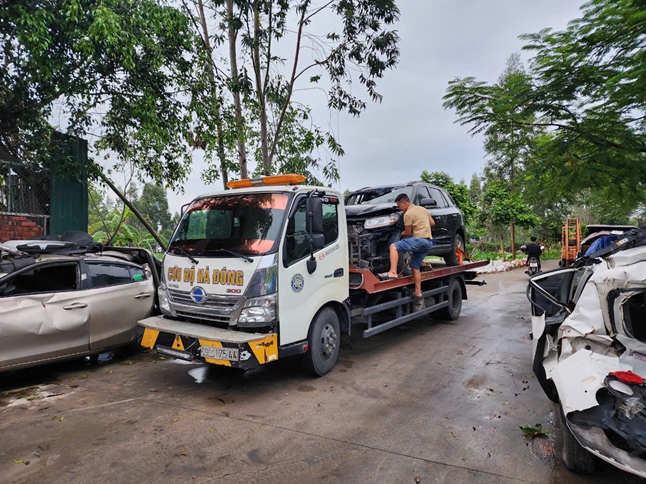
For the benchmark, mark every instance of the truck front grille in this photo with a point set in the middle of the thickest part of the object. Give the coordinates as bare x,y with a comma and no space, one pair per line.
217,309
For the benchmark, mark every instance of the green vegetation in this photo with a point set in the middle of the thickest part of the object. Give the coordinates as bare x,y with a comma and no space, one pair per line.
564,136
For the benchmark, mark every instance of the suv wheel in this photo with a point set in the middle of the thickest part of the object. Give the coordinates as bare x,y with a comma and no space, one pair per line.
451,259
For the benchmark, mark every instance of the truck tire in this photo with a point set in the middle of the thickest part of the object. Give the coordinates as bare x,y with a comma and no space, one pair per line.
454,294
451,259
575,457
324,341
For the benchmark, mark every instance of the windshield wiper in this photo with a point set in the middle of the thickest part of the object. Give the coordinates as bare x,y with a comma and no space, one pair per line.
184,252
241,256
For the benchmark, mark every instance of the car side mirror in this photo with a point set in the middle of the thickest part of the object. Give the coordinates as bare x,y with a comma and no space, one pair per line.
314,218
428,202
318,241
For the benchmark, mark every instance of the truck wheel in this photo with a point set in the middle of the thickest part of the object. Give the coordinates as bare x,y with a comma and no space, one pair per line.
452,311
575,457
324,342
452,258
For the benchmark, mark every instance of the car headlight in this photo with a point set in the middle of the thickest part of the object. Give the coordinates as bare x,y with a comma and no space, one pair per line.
164,303
258,311
382,221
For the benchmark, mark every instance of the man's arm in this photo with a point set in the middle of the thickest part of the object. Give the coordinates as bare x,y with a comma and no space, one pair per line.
430,220
408,231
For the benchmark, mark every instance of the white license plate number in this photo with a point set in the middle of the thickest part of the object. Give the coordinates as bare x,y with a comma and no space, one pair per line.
229,354
533,264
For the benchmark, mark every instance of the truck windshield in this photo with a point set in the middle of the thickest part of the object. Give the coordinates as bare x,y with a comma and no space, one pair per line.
247,224
374,196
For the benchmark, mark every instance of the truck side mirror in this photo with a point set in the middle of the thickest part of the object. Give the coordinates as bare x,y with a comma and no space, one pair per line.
428,202
314,220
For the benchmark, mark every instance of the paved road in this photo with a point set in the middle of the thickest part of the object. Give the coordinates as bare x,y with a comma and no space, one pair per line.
434,401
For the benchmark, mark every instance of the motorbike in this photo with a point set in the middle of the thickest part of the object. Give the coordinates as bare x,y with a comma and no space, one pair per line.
533,266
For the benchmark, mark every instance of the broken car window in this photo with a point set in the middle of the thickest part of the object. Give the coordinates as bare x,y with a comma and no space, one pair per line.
104,274
49,278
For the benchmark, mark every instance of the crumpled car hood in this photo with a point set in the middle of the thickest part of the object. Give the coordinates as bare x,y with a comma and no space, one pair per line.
366,210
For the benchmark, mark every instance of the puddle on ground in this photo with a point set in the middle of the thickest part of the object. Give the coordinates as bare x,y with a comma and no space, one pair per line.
305,388
347,363
199,374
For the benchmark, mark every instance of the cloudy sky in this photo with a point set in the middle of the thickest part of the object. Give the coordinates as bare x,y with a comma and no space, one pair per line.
410,131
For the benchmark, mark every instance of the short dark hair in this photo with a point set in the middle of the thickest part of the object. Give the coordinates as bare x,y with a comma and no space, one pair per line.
402,197
533,238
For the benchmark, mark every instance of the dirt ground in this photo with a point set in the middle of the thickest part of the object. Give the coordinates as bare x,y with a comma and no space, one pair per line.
426,402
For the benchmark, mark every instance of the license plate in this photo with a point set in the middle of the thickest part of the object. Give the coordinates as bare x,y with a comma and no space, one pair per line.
533,264
229,354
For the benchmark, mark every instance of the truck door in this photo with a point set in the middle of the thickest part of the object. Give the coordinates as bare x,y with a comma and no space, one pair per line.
301,294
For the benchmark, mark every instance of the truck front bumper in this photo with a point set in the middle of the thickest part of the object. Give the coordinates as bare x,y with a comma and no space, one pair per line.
196,342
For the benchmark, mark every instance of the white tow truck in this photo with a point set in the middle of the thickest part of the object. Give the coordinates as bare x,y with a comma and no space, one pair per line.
260,272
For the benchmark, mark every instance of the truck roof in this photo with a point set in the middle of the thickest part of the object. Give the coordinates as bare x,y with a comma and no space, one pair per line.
270,189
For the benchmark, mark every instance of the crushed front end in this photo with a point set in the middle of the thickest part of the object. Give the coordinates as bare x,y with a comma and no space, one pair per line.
589,332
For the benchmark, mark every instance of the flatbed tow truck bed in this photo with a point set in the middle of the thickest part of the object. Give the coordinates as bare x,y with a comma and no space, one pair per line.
442,291
366,280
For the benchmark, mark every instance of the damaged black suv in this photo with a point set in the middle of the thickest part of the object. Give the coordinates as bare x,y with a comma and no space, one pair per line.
375,222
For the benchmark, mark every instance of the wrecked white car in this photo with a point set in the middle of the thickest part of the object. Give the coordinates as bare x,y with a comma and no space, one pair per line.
61,301
589,350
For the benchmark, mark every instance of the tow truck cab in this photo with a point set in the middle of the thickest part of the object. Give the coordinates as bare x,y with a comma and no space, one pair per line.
253,274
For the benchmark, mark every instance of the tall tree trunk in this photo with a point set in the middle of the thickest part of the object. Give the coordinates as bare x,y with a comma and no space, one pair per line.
264,146
233,61
513,241
134,210
502,247
218,118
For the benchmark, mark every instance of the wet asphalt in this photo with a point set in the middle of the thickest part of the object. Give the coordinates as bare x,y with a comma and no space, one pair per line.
429,401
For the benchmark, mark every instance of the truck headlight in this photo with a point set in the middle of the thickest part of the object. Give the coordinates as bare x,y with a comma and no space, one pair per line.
382,221
164,303
258,311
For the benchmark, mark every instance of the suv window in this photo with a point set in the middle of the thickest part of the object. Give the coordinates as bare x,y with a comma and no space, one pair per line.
437,196
422,192
51,278
105,274
296,246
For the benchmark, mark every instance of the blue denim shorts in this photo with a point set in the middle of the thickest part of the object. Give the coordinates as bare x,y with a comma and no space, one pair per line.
419,248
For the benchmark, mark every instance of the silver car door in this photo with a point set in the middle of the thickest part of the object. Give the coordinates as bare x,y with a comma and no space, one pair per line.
120,296
43,315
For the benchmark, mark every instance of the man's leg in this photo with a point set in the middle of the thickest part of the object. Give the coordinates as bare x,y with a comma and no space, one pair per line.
417,277
394,259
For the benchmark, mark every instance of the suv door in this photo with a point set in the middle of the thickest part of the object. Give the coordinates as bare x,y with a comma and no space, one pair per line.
122,286
441,213
43,314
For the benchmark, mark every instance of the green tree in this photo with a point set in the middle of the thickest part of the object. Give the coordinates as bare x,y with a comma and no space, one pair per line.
475,189
153,205
458,192
501,207
586,88
115,230
113,67
253,102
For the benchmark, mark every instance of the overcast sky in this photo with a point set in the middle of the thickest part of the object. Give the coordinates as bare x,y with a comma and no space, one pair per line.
410,131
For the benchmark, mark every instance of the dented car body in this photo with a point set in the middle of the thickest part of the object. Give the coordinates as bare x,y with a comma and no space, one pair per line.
589,350
69,304
375,222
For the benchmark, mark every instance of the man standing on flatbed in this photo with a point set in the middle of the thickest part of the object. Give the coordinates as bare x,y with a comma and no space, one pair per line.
417,223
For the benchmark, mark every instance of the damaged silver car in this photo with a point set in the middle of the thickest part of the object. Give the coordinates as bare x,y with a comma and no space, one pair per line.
589,353
60,301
